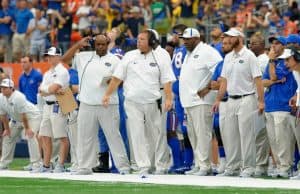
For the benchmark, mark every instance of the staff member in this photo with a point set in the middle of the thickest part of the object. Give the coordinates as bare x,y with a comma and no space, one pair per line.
95,68
143,74
54,123
292,62
13,104
196,97
240,75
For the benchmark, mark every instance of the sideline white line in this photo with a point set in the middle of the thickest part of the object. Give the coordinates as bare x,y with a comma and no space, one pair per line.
209,181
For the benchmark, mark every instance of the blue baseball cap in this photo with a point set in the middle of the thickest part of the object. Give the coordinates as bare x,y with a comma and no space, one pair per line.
280,39
293,38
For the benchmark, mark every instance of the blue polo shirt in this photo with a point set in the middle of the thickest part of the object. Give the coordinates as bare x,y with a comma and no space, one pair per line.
218,47
5,28
74,79
22,18
277,96
29,84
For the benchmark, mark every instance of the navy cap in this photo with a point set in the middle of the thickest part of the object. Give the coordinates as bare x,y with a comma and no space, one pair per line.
280,39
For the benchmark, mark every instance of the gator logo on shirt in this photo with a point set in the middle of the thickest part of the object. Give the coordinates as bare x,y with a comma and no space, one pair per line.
241,61
153,64
107,64
196,56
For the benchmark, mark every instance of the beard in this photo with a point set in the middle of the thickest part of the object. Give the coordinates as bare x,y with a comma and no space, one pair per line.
236,43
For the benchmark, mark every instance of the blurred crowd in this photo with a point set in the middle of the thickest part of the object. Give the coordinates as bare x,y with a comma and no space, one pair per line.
31,26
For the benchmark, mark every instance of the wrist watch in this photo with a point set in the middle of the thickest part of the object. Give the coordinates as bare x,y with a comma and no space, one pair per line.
271,60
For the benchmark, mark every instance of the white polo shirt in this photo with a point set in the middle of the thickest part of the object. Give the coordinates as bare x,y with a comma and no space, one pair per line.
143,75
196,72
240,69
17,104
93,73
57,75
263,61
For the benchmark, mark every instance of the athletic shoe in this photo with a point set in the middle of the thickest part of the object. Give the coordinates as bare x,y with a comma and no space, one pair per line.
297,177
3,166
72,168
246,174
28,167
222,165
59,168
260,171
124,172
228,173
42,169
202,173
82,172
192,171
160,172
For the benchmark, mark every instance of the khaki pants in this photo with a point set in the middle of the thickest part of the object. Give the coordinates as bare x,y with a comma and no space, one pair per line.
9,143
199,128
238,134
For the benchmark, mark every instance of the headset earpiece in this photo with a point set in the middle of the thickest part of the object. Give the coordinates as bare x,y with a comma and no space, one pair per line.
151,39
297,56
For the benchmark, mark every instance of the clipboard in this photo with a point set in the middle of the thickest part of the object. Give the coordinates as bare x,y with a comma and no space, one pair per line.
66,101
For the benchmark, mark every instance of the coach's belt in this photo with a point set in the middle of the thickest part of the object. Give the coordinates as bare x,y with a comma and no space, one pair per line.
51,102
239,96
224,99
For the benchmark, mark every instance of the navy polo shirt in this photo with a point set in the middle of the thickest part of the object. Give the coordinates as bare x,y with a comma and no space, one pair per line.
29,84
277,96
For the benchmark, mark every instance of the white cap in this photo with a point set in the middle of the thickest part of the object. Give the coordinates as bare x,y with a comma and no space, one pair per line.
134,9
286,54
190,33
8,83
234,32
53,51
155,33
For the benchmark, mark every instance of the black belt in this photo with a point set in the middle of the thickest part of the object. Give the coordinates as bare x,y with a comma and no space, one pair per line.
239,96
161,88
51,102
224,99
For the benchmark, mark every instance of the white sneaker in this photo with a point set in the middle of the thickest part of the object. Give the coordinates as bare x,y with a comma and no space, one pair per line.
59,168
192,171
297,177
3,166
42,169
202,172
260,171
82,172
28,167
222,165
246,174
228,173
124,172
72,168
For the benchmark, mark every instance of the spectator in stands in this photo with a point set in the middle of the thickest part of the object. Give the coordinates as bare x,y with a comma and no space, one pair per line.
6,15
293,40
83,13
54,4
290,27
187,13
36,30
20,39
276,23
135,22
63,23
160,13
146,12
216,40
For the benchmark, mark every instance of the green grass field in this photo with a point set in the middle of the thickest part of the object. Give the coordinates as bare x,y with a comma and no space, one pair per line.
49,186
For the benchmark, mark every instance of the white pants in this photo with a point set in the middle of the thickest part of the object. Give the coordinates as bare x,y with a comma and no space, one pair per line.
90,118
280,133
144,125
199,129
238,134
9,142
73,136
262,149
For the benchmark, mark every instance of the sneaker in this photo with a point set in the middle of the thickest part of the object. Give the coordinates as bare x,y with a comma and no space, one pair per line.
124,172
3,166
297,177
202,173
222,165
28,167
259,172
82,172
246,174
59,168
192,171
72,168
228,173
42,169
160,172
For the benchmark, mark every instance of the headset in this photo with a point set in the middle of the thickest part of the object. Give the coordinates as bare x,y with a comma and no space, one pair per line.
152,40
295,53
